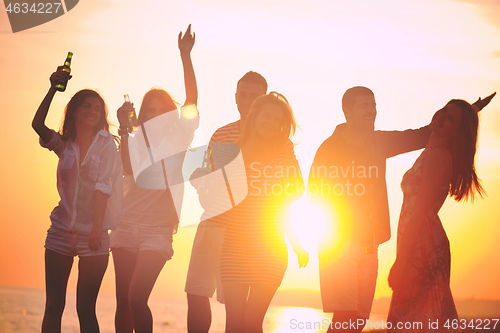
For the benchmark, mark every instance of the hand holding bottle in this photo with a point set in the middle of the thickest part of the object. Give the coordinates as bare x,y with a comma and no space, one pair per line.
58,76
123,113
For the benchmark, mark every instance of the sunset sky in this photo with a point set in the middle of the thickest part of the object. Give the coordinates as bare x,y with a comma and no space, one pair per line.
414,54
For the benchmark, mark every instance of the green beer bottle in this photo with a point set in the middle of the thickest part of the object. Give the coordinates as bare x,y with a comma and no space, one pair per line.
61,86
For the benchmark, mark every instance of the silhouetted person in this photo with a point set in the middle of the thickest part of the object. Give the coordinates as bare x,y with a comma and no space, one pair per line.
420,276
142,243
347,180
203,276
90,187
254,254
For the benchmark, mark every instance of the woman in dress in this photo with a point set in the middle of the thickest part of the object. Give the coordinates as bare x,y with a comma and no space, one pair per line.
254,254
142,243
90,187
420,276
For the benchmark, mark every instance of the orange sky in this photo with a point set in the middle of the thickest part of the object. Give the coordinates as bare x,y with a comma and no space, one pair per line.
414,54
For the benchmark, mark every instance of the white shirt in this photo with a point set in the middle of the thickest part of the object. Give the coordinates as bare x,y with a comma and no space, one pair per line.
147,207
77,183
169,136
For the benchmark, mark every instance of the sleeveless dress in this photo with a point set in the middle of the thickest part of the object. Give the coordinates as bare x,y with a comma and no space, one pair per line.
254,249
427,296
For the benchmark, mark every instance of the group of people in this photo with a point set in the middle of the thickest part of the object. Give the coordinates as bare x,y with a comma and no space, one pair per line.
240,250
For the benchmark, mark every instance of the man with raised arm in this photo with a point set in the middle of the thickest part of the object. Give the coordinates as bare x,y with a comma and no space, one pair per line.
347,181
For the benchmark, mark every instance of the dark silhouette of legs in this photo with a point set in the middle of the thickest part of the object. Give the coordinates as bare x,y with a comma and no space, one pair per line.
124,262
57,270
246,306
235,297
90,273
199,317
148,266
345,318
258,302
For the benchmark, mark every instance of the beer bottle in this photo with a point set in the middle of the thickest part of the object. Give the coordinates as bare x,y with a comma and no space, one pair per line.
61,86
132,118
206,164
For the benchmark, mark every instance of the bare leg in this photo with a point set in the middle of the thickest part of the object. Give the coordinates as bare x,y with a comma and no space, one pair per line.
258,302
124,269
199,316
148,266
57,269
90,273
235,297
344,319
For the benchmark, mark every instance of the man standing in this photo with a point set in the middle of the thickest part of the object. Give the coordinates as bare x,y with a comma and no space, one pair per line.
347,180
203,274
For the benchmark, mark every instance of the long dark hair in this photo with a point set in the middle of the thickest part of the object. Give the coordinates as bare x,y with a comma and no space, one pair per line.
68,128
155,93
288,127
465,183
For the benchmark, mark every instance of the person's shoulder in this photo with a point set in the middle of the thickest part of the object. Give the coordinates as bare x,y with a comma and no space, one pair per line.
222,132
334,142
106,137
229,127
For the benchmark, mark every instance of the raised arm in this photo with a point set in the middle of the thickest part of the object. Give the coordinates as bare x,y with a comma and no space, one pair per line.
186,43
122,115
392,143
38,122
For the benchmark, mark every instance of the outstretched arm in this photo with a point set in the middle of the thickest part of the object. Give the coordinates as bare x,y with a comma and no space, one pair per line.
38,122
186,43
481,103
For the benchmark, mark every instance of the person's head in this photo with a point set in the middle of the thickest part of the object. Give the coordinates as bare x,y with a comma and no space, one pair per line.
271,119
87,108
249,87
360,108
154,103
458,122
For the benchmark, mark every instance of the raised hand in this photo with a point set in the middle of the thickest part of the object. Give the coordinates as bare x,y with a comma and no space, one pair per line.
186,42
123,113
58,76
481,103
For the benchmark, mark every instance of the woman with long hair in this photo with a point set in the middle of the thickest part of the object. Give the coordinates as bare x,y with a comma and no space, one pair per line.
90,187
142,243
420,276
254,254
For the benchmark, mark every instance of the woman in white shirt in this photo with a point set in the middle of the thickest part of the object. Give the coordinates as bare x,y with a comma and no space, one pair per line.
153,188
89,184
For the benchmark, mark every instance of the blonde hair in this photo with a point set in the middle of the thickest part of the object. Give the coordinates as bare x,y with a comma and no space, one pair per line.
287,128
